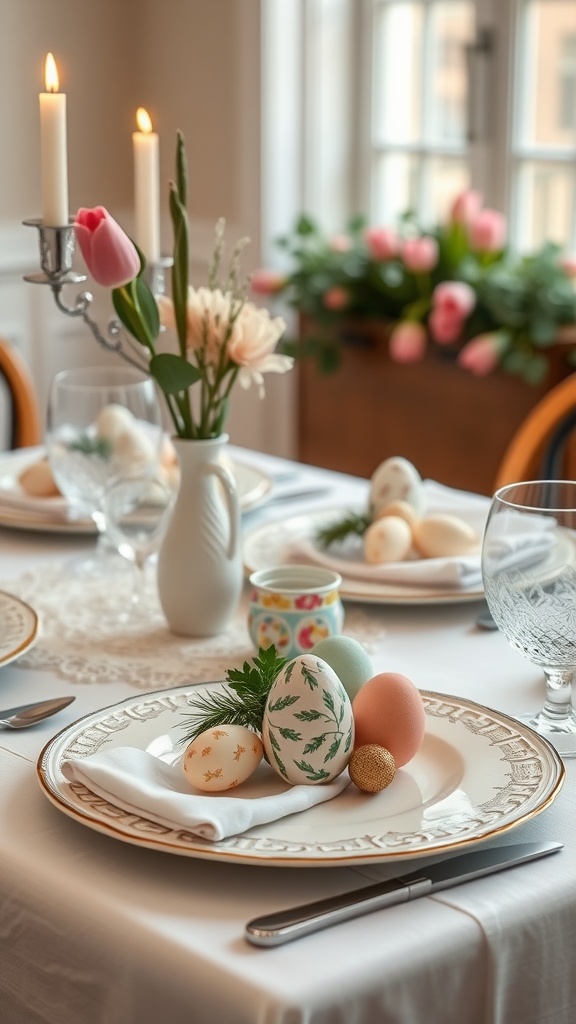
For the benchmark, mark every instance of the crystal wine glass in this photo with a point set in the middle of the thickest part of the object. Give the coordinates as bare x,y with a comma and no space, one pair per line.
136,509
103,422
529,572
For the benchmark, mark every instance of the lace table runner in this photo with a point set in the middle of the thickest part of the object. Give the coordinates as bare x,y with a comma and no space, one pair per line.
88,636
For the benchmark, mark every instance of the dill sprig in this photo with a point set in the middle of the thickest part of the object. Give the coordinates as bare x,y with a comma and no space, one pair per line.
353,523
241,702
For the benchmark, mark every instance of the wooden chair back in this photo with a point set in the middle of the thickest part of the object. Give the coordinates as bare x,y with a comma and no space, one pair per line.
25,421
544,446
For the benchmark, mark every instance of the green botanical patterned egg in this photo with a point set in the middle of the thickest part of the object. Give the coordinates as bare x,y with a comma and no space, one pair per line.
308,727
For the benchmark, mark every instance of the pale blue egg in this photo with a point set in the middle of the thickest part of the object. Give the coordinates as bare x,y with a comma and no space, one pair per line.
348,659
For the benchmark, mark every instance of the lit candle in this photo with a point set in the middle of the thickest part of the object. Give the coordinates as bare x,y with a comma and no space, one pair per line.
53,149
146,187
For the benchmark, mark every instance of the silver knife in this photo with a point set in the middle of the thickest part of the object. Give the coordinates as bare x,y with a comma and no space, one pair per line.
286,925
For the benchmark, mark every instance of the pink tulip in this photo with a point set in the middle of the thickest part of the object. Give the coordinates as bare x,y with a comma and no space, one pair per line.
340,243
454,297
110,256
568,264
267,282
445,326
420,254
466,207
481,355
336,299
407,342
382,243
487,232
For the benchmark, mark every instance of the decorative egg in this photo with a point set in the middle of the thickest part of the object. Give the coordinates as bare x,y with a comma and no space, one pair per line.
372,768
348,659
444,535
222,758
308,727
112,420
389,712
396,479
387,540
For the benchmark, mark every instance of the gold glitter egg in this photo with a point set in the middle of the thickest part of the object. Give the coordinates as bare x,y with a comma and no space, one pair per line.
372,768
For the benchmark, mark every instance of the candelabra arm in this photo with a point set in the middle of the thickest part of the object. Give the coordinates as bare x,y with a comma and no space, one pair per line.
113,342
56,259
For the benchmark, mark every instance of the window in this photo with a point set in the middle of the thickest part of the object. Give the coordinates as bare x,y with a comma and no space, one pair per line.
403,103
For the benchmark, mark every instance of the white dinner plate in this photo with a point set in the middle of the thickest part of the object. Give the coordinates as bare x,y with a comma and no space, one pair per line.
477,775
268,545
49,515
19,627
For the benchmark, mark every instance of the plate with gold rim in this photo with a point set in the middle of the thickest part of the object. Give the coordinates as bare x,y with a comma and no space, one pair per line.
477,775
49,515
19,627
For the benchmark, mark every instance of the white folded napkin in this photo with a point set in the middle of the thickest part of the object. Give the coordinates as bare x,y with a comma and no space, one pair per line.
143,784
458,571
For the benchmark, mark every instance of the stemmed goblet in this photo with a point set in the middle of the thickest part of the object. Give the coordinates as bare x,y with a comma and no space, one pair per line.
529,573
103,422
136,509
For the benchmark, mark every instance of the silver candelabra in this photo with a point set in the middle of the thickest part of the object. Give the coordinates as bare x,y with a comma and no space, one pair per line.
57,245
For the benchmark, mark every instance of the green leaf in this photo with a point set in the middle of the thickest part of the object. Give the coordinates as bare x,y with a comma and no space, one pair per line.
308,716
127,310
284,702
173,373
334,748
181,169
314,744
180,268
290,734
148,307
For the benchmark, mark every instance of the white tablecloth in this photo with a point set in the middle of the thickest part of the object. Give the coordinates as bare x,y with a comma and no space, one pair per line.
96,931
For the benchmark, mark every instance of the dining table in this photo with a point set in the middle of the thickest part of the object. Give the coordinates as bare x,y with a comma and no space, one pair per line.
97,928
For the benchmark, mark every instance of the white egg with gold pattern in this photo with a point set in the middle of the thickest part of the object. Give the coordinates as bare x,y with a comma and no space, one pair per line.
222,758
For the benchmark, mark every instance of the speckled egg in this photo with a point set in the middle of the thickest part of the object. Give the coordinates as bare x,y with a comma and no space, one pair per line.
348,659
308,726
222,758
389,712
396,479
445,536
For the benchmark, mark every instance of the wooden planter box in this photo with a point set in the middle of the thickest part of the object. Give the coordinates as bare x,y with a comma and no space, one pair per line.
452,426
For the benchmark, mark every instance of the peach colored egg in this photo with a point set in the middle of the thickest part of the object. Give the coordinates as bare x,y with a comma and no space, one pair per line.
444,535
222,758
133,447
387,540
399,508
389,712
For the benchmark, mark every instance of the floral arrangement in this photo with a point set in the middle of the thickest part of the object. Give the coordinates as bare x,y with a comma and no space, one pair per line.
457,285
221,337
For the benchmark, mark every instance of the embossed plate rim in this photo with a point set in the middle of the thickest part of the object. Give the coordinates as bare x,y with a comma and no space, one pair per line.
30,631
519,760
278,532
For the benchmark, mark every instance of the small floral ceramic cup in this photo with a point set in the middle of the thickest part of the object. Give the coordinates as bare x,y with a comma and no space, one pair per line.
294,607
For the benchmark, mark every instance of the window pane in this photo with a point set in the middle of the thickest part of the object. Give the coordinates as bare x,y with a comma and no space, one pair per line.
451,28
445,179
548,74
398,72
546,197
395,187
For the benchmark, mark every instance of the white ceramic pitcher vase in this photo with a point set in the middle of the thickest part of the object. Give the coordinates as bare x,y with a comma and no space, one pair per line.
199,564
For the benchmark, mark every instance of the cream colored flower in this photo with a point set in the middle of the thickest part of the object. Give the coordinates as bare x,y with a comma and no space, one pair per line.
251,346
208,317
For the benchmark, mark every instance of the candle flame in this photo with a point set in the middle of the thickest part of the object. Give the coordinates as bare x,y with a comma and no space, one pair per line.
143,121
51,74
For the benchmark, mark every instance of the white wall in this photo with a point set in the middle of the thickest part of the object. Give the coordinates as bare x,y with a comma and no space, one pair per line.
195,65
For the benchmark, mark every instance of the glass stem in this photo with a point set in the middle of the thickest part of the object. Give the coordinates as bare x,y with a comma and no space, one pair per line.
558,704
